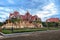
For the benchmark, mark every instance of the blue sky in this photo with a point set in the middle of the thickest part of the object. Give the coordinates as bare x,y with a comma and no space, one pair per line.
42,8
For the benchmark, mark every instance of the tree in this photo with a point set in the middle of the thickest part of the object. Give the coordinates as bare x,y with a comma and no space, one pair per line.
56,24
15,21
12,21
44,24
59,24
36,23
47,25
18,21
0,26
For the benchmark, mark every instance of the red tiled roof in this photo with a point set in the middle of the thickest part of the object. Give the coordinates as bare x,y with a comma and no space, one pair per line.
27,13
23,17
16,13
26,16
33,18
53,20
11,15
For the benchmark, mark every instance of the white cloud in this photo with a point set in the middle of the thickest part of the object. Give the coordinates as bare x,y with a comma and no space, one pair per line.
3,17
1,20
7,9
5,13
48,10
22,11
49,6
42,13
11,1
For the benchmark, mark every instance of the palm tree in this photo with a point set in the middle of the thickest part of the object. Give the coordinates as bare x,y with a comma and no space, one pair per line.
15,21
12,21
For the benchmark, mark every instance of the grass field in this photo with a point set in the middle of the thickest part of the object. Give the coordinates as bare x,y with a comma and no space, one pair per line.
9,31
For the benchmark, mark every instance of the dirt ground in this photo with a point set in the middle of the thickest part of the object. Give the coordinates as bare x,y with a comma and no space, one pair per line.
46,35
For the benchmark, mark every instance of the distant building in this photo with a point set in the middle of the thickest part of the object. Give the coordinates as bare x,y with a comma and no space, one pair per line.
52,20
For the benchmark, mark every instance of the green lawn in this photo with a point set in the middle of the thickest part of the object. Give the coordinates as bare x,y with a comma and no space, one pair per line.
9,31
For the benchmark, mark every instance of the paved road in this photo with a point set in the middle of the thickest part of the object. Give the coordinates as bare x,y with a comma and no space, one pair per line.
39,35
26,33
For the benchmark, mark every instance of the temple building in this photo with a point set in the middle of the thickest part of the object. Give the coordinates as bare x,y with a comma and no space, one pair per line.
23,21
